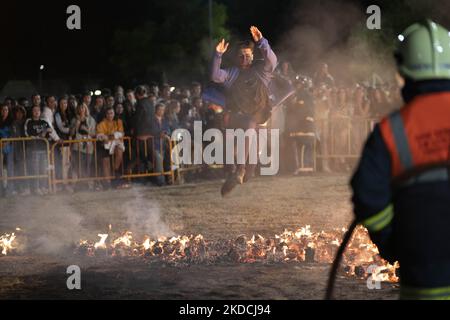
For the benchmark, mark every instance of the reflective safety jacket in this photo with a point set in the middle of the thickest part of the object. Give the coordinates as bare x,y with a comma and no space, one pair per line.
401,193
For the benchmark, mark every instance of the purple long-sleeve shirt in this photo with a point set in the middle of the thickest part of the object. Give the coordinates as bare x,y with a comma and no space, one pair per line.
226,77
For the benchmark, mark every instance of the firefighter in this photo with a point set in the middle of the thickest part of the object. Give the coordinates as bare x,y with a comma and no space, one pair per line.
401,188
300,126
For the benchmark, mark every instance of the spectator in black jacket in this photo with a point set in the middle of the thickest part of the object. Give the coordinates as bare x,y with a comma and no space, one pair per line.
301,128
98,112
142,129
144,115
40,129
6,147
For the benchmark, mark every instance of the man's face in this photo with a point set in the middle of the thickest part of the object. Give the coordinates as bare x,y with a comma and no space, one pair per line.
99,102
119,91
37,100
245,57
87,99
196,90
51,103
152,99
110,101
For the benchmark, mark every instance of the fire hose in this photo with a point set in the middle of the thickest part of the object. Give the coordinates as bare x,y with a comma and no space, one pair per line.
337,260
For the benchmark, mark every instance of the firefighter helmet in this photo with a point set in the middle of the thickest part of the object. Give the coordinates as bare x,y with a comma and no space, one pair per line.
424,52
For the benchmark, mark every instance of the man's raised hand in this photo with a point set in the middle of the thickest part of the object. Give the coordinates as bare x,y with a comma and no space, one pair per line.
222,46
256,34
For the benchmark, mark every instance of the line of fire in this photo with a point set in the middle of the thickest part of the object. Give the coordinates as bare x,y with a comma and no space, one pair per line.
225,150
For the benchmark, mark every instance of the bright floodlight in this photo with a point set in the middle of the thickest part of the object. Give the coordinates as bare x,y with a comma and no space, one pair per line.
172,89
97,92
401,37
41,67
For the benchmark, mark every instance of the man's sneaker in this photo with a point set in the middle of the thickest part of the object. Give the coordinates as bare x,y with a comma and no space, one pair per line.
231,183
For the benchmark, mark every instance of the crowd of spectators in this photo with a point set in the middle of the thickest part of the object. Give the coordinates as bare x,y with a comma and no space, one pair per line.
325,116
100,121
342,115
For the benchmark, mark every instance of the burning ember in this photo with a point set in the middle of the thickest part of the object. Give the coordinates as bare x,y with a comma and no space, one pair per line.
7,242
361,258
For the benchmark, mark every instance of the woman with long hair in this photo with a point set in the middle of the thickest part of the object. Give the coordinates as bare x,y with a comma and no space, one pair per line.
62,127
83,128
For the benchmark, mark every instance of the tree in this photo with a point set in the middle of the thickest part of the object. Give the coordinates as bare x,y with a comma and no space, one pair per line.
173,41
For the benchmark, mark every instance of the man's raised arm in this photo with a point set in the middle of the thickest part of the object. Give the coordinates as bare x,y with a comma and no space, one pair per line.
219,75
270,59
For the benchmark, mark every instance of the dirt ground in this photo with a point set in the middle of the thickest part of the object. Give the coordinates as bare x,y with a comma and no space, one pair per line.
51,225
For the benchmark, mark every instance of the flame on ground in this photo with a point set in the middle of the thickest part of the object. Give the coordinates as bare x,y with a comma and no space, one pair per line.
361,258
8,242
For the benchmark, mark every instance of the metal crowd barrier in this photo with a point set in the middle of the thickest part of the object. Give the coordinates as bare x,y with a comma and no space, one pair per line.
343,137
24,164
133,149
336,140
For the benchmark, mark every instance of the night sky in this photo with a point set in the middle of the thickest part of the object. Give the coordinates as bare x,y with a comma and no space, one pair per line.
35,33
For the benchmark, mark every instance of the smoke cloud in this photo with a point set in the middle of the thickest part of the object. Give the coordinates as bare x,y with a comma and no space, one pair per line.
49,225
53,225
144,216
335,32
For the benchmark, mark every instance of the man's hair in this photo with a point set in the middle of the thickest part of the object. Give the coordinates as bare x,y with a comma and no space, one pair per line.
50,96
247,44
141,90
86,93
159,105
106,92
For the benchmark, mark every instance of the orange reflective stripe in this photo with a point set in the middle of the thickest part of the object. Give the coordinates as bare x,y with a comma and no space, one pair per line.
401,141
389,140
